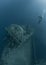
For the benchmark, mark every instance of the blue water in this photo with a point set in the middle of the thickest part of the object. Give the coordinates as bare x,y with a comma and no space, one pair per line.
24,12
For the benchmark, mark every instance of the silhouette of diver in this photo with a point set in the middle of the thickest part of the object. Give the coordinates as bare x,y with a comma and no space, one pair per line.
40,19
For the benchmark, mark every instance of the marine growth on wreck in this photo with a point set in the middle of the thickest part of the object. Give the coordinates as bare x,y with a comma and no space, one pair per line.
18,50
17,35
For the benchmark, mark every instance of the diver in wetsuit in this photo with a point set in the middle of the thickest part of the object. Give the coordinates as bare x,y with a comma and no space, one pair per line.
40,19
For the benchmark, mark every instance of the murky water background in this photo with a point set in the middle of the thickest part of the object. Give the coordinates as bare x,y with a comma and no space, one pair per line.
24,12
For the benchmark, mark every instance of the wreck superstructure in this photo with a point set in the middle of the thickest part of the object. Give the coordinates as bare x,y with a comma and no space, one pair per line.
18,50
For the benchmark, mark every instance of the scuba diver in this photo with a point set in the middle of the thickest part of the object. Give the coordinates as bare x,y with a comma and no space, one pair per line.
40,19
